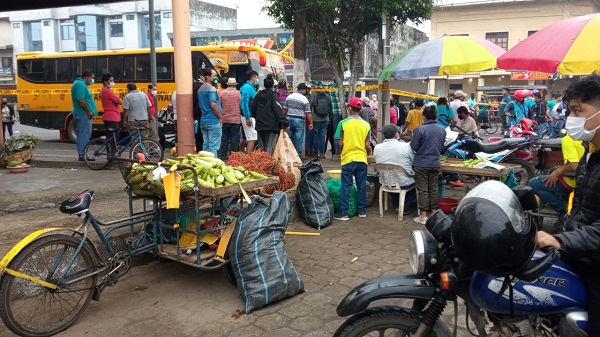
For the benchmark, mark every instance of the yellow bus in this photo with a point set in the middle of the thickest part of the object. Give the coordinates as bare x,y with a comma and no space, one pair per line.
44,79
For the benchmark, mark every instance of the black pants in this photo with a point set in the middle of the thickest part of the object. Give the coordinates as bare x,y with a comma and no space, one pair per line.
230,140
592,284
330,136
9,126
199,139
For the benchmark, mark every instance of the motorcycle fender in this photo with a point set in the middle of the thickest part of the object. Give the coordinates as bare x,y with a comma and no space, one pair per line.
16,249
389,286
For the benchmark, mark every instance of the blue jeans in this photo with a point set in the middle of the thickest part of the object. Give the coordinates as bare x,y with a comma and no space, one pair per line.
296,132
543,128
556,196
309,146
84,132
409,200
230,140
211,134
359,172
319,133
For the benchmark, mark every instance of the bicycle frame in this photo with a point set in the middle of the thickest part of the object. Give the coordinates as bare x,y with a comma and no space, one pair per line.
130,139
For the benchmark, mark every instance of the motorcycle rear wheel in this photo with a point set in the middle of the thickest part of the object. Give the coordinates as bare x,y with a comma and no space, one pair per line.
383,320
527,171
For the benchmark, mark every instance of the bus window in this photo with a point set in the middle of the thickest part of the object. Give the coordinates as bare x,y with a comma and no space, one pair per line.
88,63
142,67
128,68
32,70
75,68
62,71
101,66
50,70
164,67
115,67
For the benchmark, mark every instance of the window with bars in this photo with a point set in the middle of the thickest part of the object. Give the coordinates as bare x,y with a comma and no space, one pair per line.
499,38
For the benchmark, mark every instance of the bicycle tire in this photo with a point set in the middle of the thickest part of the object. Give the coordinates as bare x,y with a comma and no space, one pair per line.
151,150
98,149
493,127
42,306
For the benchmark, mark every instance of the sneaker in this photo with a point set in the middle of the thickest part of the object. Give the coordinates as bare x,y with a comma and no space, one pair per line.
343,218
457,183
420,220
87,159
362,215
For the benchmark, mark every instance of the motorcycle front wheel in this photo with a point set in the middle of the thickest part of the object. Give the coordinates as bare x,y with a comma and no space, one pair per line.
386,321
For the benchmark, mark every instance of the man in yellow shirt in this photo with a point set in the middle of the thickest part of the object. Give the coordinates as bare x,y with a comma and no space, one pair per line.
555,188
415,117
354,137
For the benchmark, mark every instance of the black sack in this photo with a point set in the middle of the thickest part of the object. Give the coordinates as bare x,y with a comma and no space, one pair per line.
312,196
262,267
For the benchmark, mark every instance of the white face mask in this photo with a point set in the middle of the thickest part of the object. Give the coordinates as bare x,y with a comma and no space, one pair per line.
154,92
111,84
576,128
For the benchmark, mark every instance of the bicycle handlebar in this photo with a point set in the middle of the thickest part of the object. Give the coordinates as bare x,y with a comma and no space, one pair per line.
472,134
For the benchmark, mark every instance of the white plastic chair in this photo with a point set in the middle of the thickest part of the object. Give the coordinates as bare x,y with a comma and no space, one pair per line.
389,175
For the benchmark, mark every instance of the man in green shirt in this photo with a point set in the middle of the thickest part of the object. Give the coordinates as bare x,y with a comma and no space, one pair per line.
84,109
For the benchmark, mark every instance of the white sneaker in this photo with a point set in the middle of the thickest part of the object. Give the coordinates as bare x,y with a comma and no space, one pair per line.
343,218
362,215
420,220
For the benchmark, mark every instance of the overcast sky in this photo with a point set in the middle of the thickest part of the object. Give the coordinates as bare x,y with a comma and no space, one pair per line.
250,15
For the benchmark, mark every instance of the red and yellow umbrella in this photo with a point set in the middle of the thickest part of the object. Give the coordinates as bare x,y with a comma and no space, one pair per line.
570,47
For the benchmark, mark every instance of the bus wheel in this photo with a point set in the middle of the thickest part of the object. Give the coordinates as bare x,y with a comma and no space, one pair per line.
72,130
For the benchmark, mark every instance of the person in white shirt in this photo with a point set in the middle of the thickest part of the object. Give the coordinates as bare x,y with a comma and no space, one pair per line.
457,102
397,152
469,126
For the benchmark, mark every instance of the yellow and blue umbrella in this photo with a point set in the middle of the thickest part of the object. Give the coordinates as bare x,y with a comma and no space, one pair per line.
447,55
569,46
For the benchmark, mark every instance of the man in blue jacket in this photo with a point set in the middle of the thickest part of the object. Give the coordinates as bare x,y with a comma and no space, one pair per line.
248,91
505,100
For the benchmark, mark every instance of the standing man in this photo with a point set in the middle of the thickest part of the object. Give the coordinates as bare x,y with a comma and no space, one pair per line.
230,100
556,98
354,137
482,114
211,122
558,116
248,92
137,111
505,100
428,144
321,103
334,121
540,113
297,109
457,102
415,117
516,110
397,152
84,109
197,112
151,93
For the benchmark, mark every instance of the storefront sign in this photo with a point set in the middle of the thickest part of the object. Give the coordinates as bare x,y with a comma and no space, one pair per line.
528,76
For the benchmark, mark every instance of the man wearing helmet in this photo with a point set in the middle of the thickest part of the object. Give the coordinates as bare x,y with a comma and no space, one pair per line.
580,242
516,110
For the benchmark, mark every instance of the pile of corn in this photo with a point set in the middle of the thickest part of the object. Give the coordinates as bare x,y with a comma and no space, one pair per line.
211,173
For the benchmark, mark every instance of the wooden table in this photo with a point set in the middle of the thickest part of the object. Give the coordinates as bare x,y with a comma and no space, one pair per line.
490,173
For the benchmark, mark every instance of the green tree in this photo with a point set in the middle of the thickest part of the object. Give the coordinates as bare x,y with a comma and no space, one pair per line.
339,26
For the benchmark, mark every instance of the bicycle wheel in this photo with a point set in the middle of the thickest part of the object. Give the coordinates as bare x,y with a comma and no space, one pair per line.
98,150
151,150
29,309
493,127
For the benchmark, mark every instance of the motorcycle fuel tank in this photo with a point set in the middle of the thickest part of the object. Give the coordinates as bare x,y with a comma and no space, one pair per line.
557,290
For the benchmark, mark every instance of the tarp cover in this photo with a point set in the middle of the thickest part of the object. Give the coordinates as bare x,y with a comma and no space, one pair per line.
264,271
312,196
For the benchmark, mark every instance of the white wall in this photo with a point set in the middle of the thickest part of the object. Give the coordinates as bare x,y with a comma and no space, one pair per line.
131,31
49,37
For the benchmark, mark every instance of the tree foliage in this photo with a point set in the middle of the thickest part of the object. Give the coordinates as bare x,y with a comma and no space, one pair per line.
339,26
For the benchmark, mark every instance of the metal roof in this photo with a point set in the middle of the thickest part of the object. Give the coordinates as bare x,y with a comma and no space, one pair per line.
39,4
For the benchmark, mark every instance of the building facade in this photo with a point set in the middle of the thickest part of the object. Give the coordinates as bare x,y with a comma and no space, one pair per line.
7,76
506,23
123,25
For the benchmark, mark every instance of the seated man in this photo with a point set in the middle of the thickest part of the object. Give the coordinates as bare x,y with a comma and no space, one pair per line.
469,126
397,152
554,189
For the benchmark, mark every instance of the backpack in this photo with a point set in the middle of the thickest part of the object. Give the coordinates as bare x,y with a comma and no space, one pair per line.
323,107
402,114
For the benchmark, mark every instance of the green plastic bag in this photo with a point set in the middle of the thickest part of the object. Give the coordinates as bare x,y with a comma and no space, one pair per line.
335,187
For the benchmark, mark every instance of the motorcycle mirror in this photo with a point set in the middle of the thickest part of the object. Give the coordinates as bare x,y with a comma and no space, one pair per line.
562,133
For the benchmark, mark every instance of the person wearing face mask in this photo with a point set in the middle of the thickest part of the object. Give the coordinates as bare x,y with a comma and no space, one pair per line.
84,109
248,92
469,126
580,242
151,93
111,113
8,118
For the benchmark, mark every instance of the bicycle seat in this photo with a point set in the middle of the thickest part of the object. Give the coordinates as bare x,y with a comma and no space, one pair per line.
113,129
494,147
79,204
555,142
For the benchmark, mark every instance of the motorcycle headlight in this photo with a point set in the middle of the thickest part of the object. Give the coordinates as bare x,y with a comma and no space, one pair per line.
422,252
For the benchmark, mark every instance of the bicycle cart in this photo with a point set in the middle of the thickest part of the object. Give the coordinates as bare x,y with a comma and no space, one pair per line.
48,279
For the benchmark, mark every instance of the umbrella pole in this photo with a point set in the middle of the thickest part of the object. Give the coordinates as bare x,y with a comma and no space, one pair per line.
448,86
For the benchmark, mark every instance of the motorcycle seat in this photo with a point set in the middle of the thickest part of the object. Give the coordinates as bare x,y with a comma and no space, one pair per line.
79,204
555,142
494,147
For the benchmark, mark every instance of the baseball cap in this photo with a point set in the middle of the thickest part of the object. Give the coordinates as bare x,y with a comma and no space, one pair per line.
303,86
355,102
366,100
389,131
459,93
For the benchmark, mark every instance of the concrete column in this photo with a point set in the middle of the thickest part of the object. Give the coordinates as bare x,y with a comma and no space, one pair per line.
480,83
384,108
183,76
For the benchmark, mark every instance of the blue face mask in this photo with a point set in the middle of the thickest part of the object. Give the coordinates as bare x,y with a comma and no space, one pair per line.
91,82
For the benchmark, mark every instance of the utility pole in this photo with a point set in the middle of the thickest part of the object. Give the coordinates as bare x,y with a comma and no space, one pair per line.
151,23
299,47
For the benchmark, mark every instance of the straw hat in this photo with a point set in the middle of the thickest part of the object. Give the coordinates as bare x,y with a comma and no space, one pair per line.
231,81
